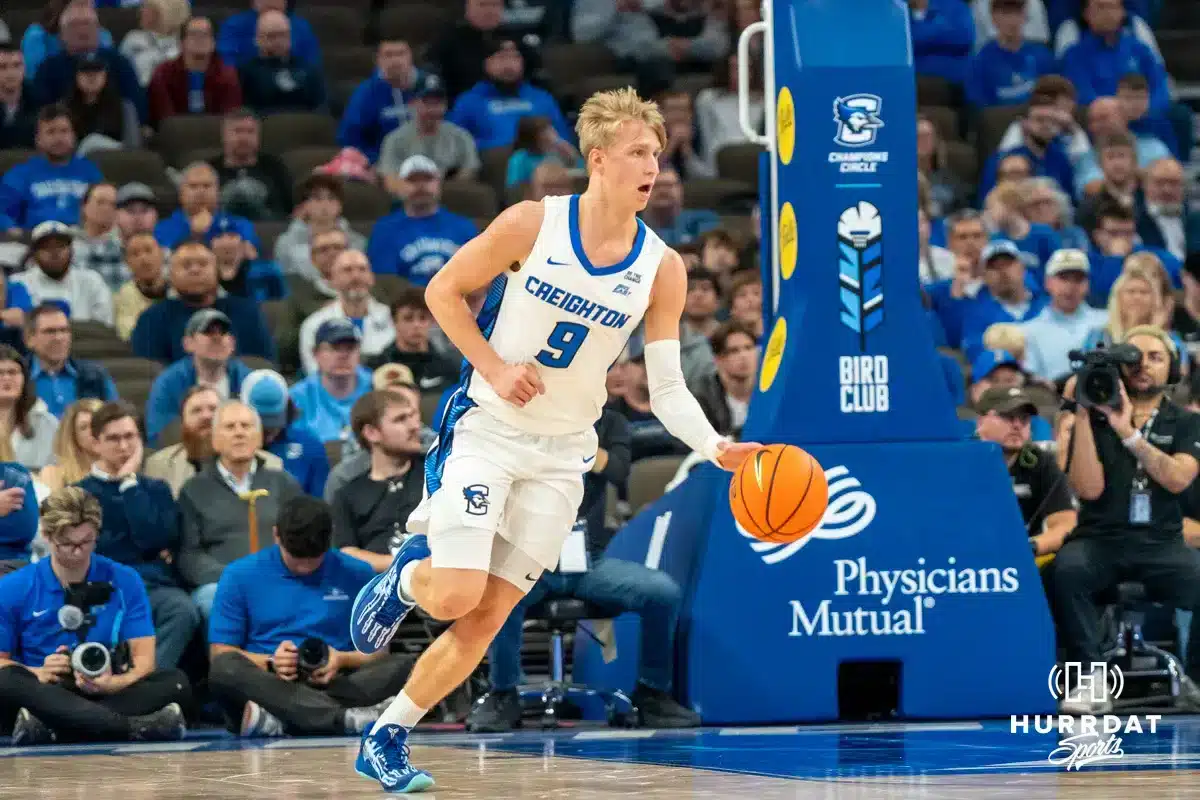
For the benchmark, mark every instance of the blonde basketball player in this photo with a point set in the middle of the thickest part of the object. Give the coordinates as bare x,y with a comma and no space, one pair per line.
568,280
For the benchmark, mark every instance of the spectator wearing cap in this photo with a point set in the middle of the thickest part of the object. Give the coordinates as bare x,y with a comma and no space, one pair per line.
319,203
1004,215
285,433
18,104
326,397
352,279
276,80
1005,69
1047,508
1006,295
1164,219
994,368
82,293
1106,52
137,210
237,42
943,35
199,209
1064,324
80,31
490,110
429,370
241,273
209,342
49,186
103,119
417,241
198,81
380,104
58,378
427,133
148,284
230,506
140,526
98,245
160,329
253,183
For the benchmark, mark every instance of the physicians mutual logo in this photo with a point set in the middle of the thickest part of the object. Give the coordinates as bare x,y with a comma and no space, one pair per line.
1086,739
858,118
860,269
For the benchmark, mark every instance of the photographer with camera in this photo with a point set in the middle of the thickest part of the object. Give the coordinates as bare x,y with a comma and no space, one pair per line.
1132,453
77,641
282,659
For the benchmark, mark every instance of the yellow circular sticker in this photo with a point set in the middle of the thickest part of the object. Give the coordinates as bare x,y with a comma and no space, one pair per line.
787,241
785,126
774,355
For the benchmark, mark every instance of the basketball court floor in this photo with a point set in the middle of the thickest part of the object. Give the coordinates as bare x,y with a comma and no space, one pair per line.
951,761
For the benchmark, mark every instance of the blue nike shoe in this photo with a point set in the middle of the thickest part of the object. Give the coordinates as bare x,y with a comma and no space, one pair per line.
384,757
378,608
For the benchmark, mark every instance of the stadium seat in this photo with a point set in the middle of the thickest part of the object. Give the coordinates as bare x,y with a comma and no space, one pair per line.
993,122
202,154
419,25
132,368
135,391
568,63
429,406
10,158
268,232
125,166
469,198
274,312
591,84
258,362
187,133
96,341
389,287
648,478
170,435
340,92
692,83
944,119
365,201
935,91
119,21
716,193
1181,54
739,162
343,62
335,25
963,161
302,161
363,225
20,19
493,166
292,131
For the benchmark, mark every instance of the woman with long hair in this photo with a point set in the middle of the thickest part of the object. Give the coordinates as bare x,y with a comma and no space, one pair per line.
100,115
30,427
1141,296
947,192
74,446
157,37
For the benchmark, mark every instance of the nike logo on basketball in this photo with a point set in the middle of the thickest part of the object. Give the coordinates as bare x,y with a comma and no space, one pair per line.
554,263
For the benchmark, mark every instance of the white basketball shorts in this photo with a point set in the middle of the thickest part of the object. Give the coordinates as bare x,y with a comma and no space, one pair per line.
499,499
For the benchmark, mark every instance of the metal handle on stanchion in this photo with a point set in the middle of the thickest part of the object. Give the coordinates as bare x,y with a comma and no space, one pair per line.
743,83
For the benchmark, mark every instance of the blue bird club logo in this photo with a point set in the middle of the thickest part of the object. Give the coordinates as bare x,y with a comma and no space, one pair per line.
858,119
860,269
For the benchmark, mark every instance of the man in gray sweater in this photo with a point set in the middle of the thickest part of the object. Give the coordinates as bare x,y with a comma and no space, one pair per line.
230,506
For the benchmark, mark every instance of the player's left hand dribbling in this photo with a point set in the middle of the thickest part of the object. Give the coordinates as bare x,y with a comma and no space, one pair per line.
732,454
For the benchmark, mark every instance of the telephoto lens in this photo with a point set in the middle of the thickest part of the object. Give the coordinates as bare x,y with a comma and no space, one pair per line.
91,659
314,654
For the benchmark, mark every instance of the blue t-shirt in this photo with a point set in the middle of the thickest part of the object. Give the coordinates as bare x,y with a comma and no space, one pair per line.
195,92
31,597
260,604
417,247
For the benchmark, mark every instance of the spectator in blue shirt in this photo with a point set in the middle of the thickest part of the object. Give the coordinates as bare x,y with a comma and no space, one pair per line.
236,41
380,103
666,215
490,109
58,378
209,341
140,526
1040,143
285,432
418,240
326,398
160,329
57,703
49,186
18,515
280,610
275,79
1133,93
41,39
199,212
1064,324
1003,72
242,273
1106,122
1036,242
1107,52
943,34
1113,240
1006,295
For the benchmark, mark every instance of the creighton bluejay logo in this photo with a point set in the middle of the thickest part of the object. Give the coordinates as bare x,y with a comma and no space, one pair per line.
860,269
857,118
477,499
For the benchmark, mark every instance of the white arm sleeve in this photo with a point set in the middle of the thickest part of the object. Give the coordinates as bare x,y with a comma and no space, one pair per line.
673,404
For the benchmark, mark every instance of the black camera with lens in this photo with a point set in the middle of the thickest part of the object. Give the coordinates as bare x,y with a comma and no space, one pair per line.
77,615
1098,374
314,654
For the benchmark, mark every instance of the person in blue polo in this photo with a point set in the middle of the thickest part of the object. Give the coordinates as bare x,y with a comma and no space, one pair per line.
325,398
104,602
1006,295
282,659
285,433
58,378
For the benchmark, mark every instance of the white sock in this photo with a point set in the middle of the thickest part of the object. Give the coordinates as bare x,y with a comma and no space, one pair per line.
403,712
404,585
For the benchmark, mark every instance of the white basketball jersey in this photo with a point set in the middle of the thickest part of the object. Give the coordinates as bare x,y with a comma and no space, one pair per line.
568,318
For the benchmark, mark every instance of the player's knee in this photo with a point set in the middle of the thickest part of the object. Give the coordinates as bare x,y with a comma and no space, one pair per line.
451,600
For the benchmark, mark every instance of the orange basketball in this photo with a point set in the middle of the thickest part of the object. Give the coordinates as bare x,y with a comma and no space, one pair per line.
779,494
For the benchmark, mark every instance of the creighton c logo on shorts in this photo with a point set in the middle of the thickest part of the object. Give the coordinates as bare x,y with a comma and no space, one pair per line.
477,499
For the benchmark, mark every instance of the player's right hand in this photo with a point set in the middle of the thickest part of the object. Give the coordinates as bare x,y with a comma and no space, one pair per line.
518,383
